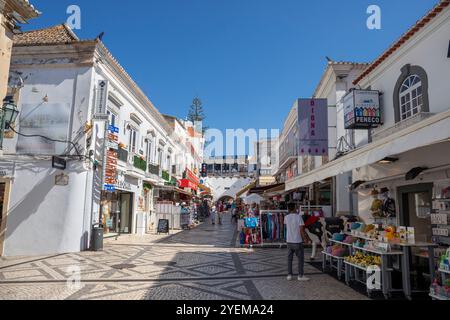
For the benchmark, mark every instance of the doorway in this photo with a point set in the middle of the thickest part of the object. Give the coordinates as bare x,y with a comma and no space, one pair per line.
3,212
126,211
117,212
415,204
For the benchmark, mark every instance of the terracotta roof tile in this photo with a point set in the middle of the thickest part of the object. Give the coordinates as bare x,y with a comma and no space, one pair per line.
404,38
60,34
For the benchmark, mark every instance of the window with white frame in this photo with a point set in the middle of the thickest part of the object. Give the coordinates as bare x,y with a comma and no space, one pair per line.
160,157
113,118
411,97
150,150
133,140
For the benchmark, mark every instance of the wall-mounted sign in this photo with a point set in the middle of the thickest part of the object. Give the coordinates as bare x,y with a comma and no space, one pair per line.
313,127
440,232
113,129
102,100
362,109
62,180
59,163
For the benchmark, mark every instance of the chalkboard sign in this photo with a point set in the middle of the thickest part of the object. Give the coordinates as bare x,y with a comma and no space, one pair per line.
163,226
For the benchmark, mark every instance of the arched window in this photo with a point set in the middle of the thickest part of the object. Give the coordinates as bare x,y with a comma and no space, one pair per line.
411,98
411,93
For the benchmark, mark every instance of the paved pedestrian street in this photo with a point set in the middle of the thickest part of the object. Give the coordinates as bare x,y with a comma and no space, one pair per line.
203,263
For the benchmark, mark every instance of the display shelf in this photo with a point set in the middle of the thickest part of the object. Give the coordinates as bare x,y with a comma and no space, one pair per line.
357,266
436,297
360,237
342,243
390,253
444,271
330,255
442,200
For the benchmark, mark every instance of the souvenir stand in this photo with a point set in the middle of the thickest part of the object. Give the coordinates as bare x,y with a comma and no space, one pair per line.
440,288
272,228
362,247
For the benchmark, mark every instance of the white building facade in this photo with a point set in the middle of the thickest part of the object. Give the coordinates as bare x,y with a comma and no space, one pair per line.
51,210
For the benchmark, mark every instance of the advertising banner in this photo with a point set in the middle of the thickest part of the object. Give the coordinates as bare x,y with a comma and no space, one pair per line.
313,127
102,101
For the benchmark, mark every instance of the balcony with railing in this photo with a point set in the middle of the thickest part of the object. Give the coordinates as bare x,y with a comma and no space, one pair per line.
153,169
380,133
122,155
165,175
139,163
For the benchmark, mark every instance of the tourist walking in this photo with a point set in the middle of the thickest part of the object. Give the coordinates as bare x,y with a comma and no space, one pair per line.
295,228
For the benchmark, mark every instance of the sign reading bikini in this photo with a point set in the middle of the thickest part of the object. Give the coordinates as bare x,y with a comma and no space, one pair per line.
313,127
362,109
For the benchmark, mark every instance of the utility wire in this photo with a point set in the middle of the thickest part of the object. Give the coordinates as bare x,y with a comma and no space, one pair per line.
48,139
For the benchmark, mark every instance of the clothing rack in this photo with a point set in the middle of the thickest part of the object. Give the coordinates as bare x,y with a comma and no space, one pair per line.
268,212
308,208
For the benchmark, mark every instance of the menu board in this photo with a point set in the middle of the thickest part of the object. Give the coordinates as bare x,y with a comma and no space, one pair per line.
163,226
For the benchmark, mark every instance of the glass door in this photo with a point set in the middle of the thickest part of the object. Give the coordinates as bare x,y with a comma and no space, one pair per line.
415,211
126,209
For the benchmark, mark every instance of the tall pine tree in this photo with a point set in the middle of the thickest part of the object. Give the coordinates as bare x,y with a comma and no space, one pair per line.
196,113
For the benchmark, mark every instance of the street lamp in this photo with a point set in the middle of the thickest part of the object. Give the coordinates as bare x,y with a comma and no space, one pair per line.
9,113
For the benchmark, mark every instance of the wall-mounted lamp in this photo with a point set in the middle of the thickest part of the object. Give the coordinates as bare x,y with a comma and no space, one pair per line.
414,173
8,113
388,160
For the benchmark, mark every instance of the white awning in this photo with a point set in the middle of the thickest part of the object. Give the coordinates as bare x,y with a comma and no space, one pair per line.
432,130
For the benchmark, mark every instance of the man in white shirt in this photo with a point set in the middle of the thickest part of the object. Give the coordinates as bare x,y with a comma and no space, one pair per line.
295,228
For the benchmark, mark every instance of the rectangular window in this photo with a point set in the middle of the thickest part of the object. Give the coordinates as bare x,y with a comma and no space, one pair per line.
113,118
133,141
149,151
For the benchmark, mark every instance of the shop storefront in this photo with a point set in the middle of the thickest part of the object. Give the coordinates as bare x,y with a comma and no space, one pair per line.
6,174
117,211
118,206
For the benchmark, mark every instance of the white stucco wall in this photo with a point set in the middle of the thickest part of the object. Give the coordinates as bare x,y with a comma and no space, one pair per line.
428,49
219,186
44,218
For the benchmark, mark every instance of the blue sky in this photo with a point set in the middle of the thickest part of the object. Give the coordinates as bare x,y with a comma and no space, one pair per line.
248,60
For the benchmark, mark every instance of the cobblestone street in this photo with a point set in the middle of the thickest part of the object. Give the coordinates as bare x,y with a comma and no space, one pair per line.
203,263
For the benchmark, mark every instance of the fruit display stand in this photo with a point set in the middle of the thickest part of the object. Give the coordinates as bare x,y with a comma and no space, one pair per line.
384,265
335,262
405,248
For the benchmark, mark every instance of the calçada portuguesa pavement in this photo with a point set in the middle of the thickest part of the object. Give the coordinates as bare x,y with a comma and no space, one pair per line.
200,264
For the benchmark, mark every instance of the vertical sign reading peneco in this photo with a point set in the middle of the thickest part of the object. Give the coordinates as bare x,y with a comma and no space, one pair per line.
313,127
102,100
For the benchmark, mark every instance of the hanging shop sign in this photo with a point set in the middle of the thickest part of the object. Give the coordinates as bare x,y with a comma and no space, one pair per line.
102,100
192,177
111,159
59,163
362,109
313,127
